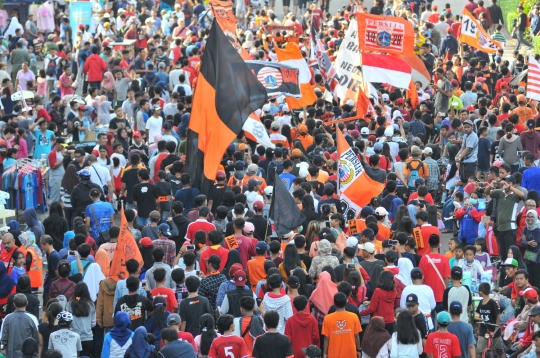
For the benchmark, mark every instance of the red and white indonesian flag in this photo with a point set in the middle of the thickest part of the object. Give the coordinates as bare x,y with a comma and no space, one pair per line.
473,34
355,186
392,70
292,57
533,79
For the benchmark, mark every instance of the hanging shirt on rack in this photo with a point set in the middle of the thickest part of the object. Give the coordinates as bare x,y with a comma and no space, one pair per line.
43,143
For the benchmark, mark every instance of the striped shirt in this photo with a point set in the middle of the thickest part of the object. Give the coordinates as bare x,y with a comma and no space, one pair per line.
65,197
497,36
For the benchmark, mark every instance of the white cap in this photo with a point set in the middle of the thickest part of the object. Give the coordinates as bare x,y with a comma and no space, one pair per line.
269,190
381,211
285,108
368,246
301,115
428,151
288,235
350,102
364,131
397,114
352,241
385,97
389,132
266,108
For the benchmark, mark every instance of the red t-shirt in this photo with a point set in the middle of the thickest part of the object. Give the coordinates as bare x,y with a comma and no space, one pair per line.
198,225
194,61
186,337
169,295
431,277
427,230
222,252
228,346
441,344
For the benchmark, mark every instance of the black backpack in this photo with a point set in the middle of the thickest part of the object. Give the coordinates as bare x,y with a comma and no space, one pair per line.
51,67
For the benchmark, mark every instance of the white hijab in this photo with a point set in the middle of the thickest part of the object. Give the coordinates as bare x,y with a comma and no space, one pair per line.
92,278
405,267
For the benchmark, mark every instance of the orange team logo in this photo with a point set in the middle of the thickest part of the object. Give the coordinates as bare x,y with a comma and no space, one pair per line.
341,324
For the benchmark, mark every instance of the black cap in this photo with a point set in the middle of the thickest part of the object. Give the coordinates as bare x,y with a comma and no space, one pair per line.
312,351
411,300
456,273
293,282
456,307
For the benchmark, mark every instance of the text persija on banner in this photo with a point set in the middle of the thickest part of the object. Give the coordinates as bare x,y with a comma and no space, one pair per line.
223,14
385,34
473,34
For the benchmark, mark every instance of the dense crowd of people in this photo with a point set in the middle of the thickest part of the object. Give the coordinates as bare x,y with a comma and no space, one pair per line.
107,127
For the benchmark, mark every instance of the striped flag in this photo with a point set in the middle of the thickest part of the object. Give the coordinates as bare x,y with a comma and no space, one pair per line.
386,69
533,79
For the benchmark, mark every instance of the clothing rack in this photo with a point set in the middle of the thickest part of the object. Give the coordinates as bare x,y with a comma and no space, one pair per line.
28,173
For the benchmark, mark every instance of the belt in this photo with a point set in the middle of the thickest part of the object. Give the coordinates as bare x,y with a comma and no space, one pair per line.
162,199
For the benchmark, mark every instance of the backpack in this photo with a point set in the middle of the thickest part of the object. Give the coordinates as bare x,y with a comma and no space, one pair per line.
51,68
315,152
413,173
62,299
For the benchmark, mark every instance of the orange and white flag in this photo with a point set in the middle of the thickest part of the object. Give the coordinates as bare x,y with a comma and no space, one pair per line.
291,56
355,186
126,249
473,34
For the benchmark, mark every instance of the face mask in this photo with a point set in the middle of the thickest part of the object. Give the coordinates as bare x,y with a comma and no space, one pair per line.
301,228
473,201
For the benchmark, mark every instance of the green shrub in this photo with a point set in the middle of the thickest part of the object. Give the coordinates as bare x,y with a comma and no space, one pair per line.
536,44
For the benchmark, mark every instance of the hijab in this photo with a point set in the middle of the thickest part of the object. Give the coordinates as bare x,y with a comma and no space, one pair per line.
92,278
6,283
516,254
68,236
375,337
70,179
121,332
536,224
31,219
102,259
140,347
405,267
153,147
108,81
14,225
110,140
24,284
323,296
233,257
104,112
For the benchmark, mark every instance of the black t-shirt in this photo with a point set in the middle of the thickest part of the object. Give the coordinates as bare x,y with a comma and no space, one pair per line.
45,332
113,124
420,322
488,313
495,149
306,259
216,195
191,310
171,158
262,227
164,189
131,179
272,345
145,194
427,119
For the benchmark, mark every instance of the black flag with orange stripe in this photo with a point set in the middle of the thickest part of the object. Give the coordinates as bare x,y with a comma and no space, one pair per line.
227,92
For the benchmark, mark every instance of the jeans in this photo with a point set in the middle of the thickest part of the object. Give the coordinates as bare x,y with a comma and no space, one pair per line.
505,239
508,309
467,170
164,215
96,84
447,209
130,206
143,221
521,40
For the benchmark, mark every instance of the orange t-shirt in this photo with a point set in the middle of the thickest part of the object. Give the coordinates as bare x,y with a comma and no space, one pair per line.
321,178
341,329
449,255
524,114
384,230
247,338
255,271
306,140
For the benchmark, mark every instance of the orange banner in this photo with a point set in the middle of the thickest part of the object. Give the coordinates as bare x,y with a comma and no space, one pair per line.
126,249
385,34
223,13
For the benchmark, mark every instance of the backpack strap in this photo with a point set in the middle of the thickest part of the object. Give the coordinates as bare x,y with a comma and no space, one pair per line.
248,326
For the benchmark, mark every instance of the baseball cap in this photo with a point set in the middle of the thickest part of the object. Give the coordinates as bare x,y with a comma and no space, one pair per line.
468,122
389,132
249,227
302,128
535,311
215,260
174,319
510,262
378,147
145,242
275,125
529,293
137,134
470,109
456,307
521,98
411,300
428,151
261,247
296,153
221,175
457,272
364,131
443,317
368,246
239,165
510,179
293,282
288,235
239,278
385,97
416,273
415,150
82,107
371,138
312,351
400,101
268,190
165,229
380,211
252,168
258,205
254,182
366,211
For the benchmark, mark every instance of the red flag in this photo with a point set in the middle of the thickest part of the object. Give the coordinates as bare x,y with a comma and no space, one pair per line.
126,249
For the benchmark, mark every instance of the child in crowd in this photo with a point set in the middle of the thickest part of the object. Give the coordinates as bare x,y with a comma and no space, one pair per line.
481,255
442,343
488,313
452,244
18,266
458,255
470,264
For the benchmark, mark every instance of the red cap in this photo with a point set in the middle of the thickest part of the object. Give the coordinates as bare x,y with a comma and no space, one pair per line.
400,101
258,205
454,83
240,278
105,43
81,26
137,134
372,138
470,108
449,30
221,174
146,242
235,267
194,39
530,294
82,108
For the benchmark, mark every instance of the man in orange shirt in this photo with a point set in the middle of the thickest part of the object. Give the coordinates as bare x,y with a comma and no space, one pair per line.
255,266
522,110
322,175
304,136
341,331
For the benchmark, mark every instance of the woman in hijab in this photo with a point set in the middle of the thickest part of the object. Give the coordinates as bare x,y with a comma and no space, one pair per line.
119,339
7,287
69,181
92,278
322,297
108,86
109,144
23,286
405,267
31,220
153,147
377,340
140,347
530,239
146,247
104,112
233,257
102,259
515,253
56,225
122,138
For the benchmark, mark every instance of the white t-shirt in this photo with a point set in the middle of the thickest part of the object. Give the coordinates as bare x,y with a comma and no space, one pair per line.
99,175
186,88
174,76
426,299
103,163
154,127
120,157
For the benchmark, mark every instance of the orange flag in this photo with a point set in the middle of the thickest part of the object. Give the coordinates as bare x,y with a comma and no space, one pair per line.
413,95
363,105
126,249
355,186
